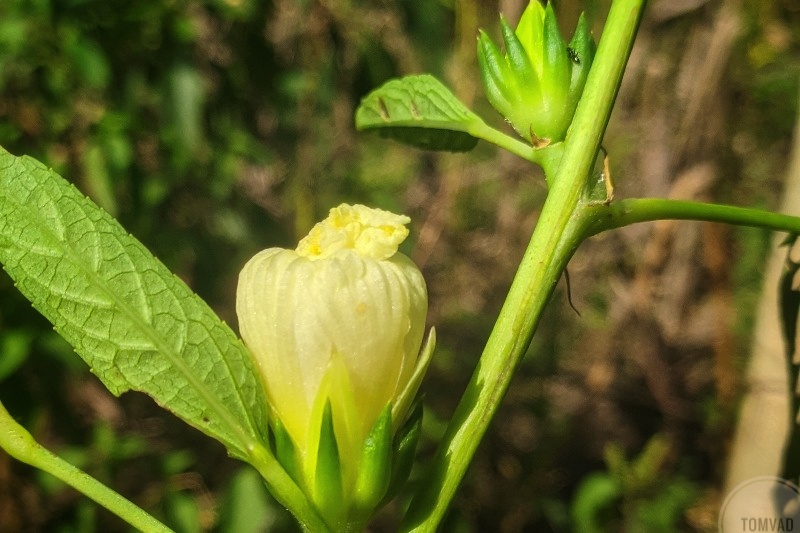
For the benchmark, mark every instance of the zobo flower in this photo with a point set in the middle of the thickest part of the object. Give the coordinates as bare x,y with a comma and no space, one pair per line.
336,327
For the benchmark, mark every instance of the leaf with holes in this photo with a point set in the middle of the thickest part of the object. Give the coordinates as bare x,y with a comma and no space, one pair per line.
137,325
420,111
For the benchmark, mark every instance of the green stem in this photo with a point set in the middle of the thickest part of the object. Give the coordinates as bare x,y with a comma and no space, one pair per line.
18,443
481,130
285,490
548,157
601,217
557,234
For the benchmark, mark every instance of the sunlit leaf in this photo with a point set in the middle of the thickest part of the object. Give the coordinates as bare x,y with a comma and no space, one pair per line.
137,325
420,111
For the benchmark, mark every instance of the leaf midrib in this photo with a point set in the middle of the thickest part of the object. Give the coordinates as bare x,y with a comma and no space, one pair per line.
236,429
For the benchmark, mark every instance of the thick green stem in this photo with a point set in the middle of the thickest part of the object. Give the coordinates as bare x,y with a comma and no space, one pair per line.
601,217
557,234
18,443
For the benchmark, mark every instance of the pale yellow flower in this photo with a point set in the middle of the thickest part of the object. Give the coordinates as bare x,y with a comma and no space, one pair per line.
339,319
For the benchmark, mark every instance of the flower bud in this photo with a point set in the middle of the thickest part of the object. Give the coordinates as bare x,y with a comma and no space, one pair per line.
336,327
537,83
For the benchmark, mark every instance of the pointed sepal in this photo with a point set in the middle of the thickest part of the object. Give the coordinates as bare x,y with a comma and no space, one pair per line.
406,398
555,73
495,75
375,466
581,52
529,31
285,450
328,489
405,448
517,56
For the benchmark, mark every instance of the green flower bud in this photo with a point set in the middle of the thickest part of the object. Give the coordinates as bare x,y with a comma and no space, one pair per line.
537,83
335,327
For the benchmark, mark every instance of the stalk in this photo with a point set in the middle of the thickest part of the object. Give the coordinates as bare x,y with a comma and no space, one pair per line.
556,236
20,444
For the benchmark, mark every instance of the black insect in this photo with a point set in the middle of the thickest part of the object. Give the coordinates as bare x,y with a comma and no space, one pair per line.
573,55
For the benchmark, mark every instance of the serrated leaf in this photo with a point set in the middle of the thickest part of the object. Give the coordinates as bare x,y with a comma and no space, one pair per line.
137,325
420,111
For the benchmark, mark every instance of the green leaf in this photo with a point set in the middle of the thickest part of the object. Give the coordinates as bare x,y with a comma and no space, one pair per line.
137,325
15,346
789,298
597,493
420,111
89,60
789,291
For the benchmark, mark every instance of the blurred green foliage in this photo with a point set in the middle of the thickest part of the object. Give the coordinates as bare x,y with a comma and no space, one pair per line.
635,495
215,128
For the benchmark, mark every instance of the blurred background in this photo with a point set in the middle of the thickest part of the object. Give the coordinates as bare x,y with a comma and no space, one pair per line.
216,128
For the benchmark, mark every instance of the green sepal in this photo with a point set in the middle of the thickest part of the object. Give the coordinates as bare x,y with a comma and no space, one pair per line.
405,400
556,65
529,30
518,58
375,467
328,488
285,451
405,448
583,49
495,74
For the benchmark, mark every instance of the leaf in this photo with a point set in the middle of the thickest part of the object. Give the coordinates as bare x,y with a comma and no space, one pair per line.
597,493
420,111
789,298
15,346
790,301
137,325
